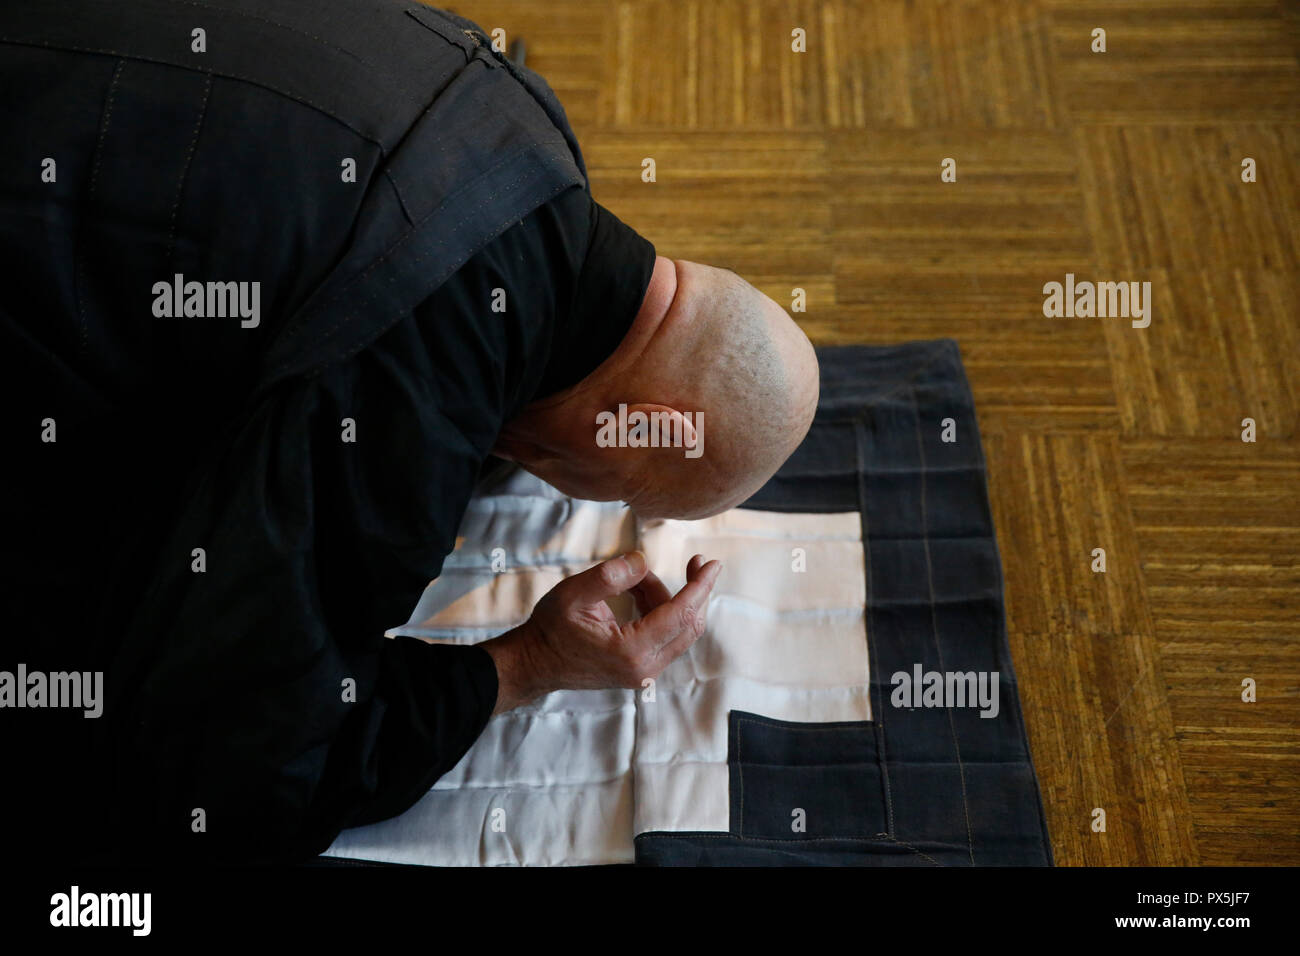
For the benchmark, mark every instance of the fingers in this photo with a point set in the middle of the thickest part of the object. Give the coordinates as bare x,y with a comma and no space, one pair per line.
678,646
650,593
668,624
605,580
682,618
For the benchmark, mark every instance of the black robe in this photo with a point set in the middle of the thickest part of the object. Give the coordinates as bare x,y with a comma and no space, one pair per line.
200,530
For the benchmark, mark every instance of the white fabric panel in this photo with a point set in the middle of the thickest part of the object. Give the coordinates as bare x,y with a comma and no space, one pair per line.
820,648
569,738
552,826
682,796
756,548
785,643
543,537
578,773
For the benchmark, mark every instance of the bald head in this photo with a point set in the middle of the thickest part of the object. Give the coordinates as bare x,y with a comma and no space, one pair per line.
710,391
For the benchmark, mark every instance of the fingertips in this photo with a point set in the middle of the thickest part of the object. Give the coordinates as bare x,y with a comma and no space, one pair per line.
697,593
636,566
693,566
709,573
605,580
697,589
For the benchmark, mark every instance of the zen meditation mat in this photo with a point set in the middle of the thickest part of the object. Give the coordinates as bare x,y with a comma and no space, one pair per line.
851,702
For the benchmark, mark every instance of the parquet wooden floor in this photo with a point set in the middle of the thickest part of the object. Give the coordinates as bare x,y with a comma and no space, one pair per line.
821,170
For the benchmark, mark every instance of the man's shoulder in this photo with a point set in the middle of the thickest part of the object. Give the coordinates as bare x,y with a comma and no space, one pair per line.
370,64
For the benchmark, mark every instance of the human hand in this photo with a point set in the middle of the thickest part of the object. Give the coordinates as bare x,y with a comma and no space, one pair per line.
573,641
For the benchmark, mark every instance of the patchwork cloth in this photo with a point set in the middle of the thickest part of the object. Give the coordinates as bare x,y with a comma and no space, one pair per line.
776,739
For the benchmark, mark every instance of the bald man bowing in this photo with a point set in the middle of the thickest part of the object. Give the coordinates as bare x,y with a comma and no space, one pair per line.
241,504
702,339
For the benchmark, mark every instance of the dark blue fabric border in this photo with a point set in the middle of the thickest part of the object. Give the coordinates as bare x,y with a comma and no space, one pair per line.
949,787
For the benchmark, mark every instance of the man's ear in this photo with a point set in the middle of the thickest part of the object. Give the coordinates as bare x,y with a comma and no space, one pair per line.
675,429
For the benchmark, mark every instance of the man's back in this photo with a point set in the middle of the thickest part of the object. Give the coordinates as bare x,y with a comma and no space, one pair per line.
222,512
265,142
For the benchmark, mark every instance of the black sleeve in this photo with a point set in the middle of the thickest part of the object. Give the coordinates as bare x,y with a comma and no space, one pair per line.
261,690
606,295
574,273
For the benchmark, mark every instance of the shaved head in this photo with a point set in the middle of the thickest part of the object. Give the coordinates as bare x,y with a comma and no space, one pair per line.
707,353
